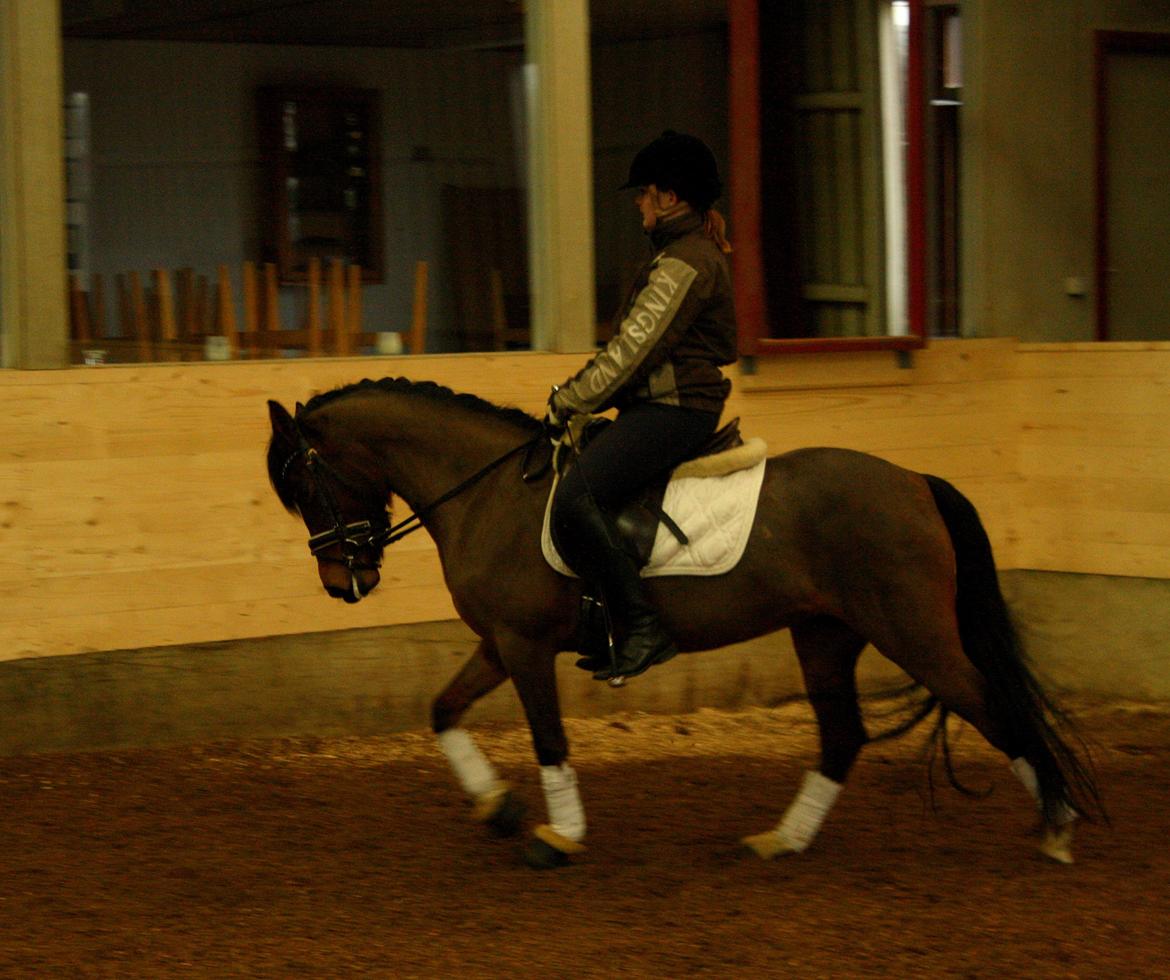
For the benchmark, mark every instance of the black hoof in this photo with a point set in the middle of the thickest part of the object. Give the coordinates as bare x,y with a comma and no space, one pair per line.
508,820
543,857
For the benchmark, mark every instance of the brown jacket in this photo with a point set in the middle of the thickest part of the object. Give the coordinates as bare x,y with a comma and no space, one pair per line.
677,330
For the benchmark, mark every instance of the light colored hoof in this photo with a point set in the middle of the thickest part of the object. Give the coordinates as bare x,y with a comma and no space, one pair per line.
549,850
1057,843
499,811
768,845
488,803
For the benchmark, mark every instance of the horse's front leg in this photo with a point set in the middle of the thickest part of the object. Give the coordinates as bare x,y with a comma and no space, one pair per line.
532,666
493,800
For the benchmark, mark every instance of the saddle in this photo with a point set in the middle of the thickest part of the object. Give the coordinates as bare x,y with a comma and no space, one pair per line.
639,517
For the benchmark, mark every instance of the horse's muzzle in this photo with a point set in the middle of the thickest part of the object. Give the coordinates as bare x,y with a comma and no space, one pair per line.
345,584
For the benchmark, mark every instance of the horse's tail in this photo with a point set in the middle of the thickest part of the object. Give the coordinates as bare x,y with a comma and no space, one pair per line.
1035,725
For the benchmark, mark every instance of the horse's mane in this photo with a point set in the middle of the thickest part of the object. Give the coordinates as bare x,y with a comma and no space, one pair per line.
431,391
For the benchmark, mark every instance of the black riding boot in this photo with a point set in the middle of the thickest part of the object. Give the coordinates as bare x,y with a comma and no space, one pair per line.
597,555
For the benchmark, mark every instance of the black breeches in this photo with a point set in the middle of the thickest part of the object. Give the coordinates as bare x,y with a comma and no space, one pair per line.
644,443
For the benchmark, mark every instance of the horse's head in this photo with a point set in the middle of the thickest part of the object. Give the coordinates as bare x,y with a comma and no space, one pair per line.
345,511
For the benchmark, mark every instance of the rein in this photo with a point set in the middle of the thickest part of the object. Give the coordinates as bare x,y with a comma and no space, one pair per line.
414,521
353,536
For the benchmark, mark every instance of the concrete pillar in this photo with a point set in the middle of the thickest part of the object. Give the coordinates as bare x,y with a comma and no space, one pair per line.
560,174
34,322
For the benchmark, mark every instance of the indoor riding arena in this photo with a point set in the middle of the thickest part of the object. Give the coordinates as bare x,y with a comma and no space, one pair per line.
210,767
275,805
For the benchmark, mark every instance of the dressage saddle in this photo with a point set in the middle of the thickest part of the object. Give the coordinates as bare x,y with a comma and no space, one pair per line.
639,517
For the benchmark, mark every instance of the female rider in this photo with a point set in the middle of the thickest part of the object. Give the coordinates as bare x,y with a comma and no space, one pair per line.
662,372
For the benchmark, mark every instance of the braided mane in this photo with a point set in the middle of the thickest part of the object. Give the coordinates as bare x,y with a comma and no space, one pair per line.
432,392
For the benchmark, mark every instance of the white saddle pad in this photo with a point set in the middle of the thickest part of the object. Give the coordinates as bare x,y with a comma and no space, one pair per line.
716,514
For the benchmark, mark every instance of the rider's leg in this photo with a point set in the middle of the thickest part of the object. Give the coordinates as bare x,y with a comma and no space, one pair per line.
599,558
645,442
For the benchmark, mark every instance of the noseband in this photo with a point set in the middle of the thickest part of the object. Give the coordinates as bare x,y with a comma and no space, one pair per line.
352,536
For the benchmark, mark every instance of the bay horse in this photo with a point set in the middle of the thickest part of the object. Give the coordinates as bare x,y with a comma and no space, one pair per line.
846,549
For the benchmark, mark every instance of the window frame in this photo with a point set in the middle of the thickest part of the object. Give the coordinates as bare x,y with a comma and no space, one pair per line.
745,164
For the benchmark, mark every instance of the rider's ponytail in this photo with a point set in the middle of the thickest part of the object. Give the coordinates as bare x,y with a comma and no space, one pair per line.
715,228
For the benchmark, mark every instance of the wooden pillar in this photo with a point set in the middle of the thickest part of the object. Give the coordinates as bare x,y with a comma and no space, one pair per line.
560,174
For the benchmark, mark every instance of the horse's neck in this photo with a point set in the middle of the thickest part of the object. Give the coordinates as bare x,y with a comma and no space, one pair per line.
429,450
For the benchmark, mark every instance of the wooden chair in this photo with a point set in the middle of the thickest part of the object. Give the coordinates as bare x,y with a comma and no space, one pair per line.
163,319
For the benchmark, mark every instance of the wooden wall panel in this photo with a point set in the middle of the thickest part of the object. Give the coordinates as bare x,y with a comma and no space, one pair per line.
1094,458
135,509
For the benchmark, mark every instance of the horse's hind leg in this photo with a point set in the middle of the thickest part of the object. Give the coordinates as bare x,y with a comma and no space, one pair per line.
494,804
828,652
938,661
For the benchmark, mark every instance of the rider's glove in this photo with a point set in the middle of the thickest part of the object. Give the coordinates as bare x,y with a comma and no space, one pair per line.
553,425
554,421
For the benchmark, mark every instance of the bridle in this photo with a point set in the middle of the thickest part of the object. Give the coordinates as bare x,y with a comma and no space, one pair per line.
354,537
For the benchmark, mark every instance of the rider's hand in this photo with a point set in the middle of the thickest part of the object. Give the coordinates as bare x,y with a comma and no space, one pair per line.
553,425
554,422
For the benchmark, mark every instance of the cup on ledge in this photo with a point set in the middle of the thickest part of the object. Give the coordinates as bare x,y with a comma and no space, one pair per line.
389,342
216,348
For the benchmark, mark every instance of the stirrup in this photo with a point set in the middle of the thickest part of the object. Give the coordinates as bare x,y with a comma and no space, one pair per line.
619,673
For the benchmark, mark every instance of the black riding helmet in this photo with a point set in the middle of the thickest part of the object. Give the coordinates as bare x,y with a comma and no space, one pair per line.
680,163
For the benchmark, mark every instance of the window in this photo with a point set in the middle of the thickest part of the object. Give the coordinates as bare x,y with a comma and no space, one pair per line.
833,244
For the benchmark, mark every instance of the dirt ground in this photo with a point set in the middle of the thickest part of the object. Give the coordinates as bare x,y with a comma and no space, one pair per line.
356,857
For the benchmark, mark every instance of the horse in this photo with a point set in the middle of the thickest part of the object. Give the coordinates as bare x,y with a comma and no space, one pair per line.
845,549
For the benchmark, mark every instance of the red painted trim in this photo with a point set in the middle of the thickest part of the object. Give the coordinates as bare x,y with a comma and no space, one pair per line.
744,149
820,345
916,171
1101,51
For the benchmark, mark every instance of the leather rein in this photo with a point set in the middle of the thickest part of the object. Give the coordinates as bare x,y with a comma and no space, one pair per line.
379,533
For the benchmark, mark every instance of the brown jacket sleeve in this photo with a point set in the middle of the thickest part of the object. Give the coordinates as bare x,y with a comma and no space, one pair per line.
660,314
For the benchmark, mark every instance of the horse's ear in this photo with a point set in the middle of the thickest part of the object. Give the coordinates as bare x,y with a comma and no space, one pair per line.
300,408
282,422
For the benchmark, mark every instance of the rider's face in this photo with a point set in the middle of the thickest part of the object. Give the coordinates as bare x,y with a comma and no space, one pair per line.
650,201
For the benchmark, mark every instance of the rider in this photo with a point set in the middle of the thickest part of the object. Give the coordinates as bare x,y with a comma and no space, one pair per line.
662,372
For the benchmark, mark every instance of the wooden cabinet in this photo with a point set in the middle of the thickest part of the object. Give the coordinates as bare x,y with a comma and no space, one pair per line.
322,196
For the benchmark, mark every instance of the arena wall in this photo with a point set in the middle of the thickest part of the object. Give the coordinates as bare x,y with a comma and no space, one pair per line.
141,540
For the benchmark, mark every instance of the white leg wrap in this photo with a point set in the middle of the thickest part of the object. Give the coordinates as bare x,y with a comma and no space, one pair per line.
476,775
566,816
803,818
1027,775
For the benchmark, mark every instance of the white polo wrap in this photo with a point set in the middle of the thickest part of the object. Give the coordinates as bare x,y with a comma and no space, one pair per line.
566,816
476,775
807,812
1027,775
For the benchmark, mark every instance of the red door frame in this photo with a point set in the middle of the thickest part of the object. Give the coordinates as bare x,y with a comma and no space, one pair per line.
748,274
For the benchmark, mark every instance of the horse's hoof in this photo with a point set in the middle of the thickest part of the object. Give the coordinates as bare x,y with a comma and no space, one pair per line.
548,849
768,845
500,811
1057,843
